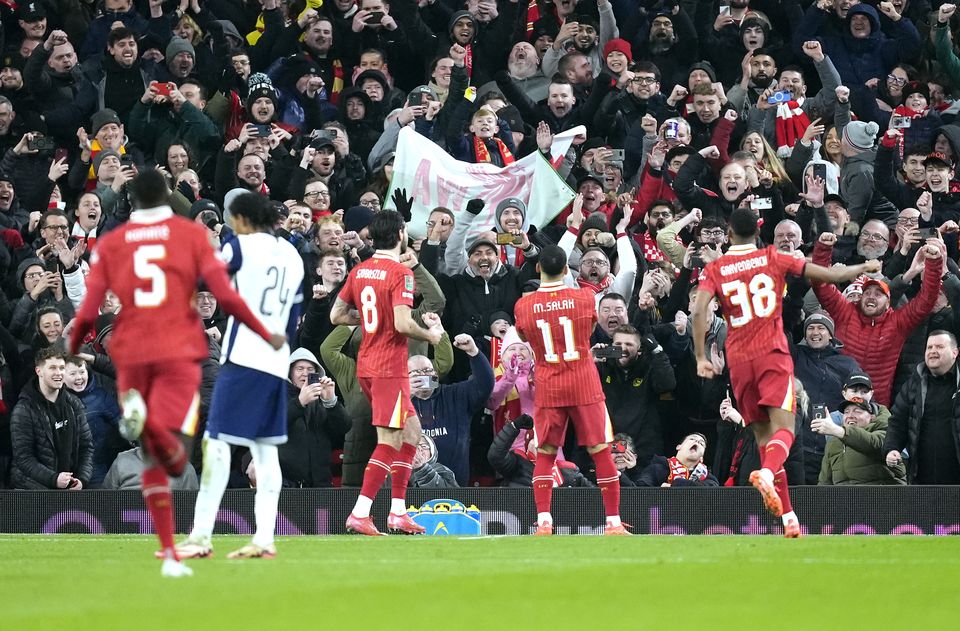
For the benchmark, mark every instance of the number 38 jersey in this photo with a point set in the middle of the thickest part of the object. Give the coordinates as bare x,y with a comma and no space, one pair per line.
268,274
557,321
749,285
374,287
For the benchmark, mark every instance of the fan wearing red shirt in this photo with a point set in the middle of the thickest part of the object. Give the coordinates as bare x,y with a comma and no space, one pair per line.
378,296
557,321
153,264
749,285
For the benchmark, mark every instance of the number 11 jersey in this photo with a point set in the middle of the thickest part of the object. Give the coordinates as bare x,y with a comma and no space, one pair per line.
374,287
749,285
557,321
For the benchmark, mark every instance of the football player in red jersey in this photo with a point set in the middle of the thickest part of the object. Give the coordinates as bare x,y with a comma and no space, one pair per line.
557,321
153,264
749,285
382,288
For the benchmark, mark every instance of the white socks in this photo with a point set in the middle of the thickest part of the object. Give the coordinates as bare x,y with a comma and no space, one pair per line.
216,471
613,522
787,517
362,508
398,506
266,461
544,517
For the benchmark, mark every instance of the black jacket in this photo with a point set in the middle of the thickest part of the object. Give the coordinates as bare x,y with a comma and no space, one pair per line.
312,431
903,431
35,463
518,470
657,472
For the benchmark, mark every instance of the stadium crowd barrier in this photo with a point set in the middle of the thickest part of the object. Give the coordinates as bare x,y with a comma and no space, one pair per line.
882,510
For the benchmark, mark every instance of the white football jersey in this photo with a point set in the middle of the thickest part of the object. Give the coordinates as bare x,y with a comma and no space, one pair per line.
268,274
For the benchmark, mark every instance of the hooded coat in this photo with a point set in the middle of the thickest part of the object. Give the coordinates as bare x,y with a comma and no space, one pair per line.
858,457
365,132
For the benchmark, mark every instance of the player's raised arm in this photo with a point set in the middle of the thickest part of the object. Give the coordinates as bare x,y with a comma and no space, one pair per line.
700,313
343,313
90,308
404,323
838,273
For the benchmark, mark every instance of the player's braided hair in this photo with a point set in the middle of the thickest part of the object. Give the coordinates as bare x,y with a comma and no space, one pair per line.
256,209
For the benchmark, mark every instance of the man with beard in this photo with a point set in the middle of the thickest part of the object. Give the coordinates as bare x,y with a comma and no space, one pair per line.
313,36
561,110
56,81
587,36
872,323
118,76
656,219
523,66
709,232
622,112
672,45
873,242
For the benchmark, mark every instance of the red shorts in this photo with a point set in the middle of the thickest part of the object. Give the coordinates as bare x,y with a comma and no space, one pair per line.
591,423
170,390
763,382
390,400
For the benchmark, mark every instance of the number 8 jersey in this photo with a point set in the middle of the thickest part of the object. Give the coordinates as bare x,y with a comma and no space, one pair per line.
557,321
374,287
749,285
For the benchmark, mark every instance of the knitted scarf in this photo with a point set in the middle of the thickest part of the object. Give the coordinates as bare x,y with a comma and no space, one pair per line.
483,154
792,121
95,148
518,258
89,237
533,14
597,288
679,470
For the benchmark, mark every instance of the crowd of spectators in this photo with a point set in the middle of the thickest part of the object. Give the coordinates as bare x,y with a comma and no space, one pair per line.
834,120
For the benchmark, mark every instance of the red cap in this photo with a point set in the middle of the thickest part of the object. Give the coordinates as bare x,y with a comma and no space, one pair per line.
879,283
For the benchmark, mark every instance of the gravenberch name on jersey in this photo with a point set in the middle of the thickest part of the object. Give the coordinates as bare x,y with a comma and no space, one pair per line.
373,274
556,305
150,233
742,266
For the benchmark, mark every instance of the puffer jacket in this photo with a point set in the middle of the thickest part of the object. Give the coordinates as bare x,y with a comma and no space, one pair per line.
99,401
858,457
35,463
876,342
517,469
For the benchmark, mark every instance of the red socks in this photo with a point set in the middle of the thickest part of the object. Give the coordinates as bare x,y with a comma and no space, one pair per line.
401,471
608,479
377,469
776,450
166,448
156,495
780,483
543,481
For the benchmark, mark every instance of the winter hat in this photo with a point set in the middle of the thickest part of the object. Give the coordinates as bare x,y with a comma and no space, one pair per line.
103,117
618,45
501,315
860,135
511,115
201,205
377,76
916,87
103,326
357,218
510,338
544,27
179,45
97,159
296,66
457,16
510,202
707,67
596,221
259,85
820,317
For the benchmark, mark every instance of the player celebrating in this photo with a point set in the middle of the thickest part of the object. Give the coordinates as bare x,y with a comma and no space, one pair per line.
382,287
249,405
153,264
557,322
749,284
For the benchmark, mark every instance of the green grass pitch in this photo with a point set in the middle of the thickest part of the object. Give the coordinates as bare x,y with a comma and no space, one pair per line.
76,582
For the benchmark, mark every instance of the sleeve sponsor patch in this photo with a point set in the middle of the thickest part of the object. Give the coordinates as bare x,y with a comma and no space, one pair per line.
408,283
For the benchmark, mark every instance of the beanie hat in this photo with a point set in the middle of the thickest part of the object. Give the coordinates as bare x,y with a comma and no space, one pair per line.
544,27
103,117
259,85
820,317
103,326
860,135
916,87
357,218
618,45
97,159
707,67
596,221
458,16
501,315
510,202
179,45
377,76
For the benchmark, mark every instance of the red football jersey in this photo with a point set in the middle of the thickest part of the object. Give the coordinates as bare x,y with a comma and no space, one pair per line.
374,287
557,321
153,264
749,285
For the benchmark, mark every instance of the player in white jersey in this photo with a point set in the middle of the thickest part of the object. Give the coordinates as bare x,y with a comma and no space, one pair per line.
249,405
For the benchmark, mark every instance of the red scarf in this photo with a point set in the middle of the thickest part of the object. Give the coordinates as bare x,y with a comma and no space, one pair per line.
595,287
468,60
520,258
533,14
483,154
792,121
679,470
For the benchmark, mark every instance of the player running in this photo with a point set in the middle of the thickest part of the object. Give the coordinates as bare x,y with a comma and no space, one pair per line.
153,264
249,405
749,285
557,321
383,288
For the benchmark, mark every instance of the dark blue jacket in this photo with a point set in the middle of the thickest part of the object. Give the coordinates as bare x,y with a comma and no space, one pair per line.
859,60
822,372
445,416
99,400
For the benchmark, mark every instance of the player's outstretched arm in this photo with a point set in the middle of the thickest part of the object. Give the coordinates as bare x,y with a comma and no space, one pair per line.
839,273
700,313
404,323
343,313
215,276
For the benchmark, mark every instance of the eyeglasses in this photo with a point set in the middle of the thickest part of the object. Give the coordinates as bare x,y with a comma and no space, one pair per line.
32,275
644,80
317,194
872,236
909,221
595,263
892,78
431,224
370,203
661,215
59,228
206,298
718,232
423,372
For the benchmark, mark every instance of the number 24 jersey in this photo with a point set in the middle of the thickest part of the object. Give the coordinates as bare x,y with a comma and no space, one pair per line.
374,287
749,285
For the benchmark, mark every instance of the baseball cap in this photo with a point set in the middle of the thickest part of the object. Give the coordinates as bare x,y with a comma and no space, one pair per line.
31,12
587,178
481,240
938,157
833,197
879,283
858,378
861,403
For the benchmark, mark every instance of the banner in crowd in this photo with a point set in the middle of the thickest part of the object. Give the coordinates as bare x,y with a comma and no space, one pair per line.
433,178
823,510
